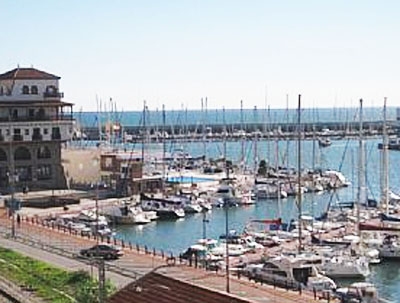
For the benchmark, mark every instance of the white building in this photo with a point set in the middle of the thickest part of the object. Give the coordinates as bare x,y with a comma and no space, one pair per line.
33,124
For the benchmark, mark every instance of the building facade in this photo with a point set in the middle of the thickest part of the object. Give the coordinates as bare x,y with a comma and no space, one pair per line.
34,122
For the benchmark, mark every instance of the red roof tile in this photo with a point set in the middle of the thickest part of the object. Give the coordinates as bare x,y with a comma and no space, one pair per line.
158,288
27,74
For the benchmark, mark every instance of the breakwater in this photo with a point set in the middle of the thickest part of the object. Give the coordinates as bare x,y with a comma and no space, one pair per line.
233,131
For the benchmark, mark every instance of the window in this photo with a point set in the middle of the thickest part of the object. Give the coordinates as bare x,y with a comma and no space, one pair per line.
22,153
3,155
44,172
34,90
41,113
50,89
17,131
25,90
43,153
45,131
26,132
31,112
279,273
7,132
24,173
55,133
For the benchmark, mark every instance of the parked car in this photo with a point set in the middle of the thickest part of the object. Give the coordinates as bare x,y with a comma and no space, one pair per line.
106,251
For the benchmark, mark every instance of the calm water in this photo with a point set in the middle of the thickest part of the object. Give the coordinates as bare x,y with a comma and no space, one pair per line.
342,155
216,116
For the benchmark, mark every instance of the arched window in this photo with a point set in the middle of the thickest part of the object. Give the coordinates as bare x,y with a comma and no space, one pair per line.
43,153
34,90
22,153
3,155
25,90
51,89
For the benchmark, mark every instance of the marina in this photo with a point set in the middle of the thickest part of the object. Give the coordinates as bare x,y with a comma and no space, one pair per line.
177,235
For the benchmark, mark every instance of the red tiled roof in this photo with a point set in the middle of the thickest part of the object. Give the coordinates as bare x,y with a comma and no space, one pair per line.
158,288
27,74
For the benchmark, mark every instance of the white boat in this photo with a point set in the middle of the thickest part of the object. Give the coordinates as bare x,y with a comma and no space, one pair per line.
390,247
291,271
346,267
361,292
126,214
269,191
226,195
166,208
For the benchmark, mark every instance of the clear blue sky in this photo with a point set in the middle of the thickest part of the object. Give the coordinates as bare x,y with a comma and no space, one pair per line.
176,52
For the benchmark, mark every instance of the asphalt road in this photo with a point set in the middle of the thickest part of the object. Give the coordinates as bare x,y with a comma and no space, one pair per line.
63,262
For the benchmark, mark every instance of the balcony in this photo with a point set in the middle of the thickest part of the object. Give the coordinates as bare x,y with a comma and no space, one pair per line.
56,136
18,138
53,94
65,117
37,137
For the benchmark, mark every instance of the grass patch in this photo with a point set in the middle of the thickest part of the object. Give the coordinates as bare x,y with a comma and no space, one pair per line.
50,283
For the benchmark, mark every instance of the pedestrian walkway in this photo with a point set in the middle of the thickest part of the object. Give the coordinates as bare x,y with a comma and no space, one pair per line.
136,263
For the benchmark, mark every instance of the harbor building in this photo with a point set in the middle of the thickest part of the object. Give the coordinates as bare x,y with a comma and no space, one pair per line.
34,122
123,171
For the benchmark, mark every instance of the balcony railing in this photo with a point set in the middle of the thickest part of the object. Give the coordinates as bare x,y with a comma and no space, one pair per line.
18,138
37,137
53,95
37,118
55,136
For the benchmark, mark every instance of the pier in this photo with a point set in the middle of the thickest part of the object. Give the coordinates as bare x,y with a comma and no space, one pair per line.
235,131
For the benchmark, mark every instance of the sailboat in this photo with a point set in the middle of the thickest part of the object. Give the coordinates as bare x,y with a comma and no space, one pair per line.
324,142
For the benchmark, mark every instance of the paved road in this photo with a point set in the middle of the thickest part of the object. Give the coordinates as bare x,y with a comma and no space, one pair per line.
60,261
133,263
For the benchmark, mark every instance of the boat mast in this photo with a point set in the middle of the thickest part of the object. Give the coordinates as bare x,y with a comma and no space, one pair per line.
164,149
385,160
224,136
144,134
287,132
242,137
99,117
361,169
299,206
204,130
255,142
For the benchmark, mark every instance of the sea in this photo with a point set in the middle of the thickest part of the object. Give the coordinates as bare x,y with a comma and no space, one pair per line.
229,116
175,236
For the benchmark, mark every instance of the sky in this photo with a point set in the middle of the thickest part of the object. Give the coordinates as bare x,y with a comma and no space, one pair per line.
176,52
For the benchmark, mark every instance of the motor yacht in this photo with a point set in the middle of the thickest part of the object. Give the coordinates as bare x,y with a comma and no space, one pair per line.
293,271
